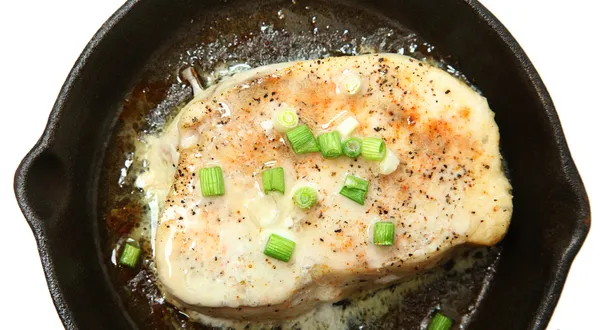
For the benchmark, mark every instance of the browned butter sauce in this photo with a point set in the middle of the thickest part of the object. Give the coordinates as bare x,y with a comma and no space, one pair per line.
220,46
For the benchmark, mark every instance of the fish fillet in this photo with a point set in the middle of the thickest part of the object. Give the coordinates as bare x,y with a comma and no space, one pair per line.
448,190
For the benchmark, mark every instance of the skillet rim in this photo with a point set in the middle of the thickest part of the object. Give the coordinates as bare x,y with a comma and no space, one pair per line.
553,288
561,268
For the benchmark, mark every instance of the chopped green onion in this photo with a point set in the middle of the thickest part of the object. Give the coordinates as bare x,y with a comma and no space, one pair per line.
279,248
273,180
390,163
130,255
383,233
355,189
347,126
330,144
285,119
305,197
354,194
350,82
211,181
440,322
354,182
302,140
373,149
352,147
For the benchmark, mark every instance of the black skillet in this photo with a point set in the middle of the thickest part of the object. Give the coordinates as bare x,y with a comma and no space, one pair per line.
58,183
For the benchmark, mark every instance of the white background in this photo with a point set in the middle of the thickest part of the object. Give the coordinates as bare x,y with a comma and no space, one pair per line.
40,40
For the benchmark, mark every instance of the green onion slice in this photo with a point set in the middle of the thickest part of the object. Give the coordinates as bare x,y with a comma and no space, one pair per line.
383,233
130,255
354,182
347,126
285,119
351,81
273,180
354,194
305,197
373,149
352,147
302,140
330,144
390,163
440,322
355,189
280,248
211,181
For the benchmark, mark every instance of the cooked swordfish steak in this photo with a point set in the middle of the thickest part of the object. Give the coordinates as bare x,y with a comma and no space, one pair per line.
441,184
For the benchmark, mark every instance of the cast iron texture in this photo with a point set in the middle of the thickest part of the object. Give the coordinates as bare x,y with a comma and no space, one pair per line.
57,182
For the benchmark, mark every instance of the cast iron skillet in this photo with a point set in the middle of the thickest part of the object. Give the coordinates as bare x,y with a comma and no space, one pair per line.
57,183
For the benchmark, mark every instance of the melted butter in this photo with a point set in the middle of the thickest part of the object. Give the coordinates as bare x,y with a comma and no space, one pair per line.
262,210
365,307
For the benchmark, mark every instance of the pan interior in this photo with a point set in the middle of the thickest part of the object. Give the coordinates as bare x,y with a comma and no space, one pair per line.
232,38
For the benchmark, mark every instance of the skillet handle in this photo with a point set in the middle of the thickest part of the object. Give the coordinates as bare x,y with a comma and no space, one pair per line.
41,186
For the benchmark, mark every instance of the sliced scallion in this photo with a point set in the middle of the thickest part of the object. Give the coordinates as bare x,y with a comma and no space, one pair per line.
354,194
351,82
302,140
130,255
355,189
352,147
285,119
273,180
440,322
347,126
280,248
373,149
383,233
330,144
305,197
390,163
211,181
354,182
191,76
